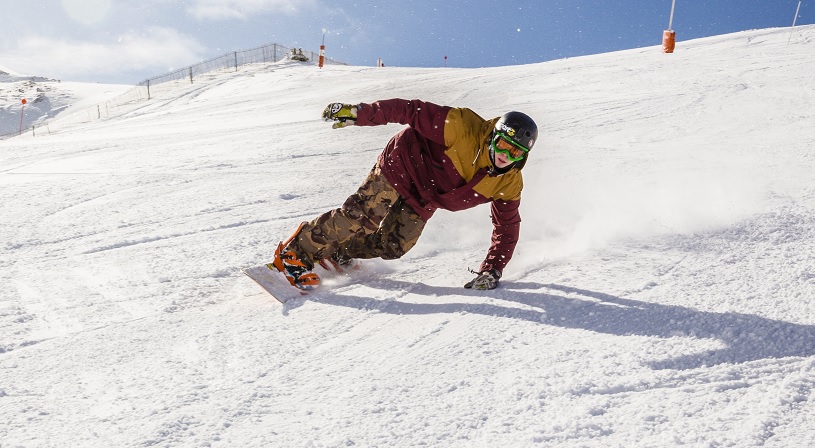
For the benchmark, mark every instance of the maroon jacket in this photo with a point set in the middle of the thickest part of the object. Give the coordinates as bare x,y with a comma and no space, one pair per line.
440,161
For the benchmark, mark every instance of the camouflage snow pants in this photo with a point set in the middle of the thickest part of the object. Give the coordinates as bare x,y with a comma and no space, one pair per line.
374,222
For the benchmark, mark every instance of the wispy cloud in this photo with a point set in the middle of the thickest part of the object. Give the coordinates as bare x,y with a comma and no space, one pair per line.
156,49
243,9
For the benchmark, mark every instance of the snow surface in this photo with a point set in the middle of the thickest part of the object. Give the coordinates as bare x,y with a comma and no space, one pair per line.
662,294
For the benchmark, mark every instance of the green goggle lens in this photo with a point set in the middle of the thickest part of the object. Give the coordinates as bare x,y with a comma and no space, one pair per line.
504,144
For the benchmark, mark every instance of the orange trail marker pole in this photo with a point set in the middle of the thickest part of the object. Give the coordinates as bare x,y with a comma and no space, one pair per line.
322,52
22,112
668,41
669,35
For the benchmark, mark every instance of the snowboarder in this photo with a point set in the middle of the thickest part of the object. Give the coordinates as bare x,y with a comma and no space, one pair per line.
448,158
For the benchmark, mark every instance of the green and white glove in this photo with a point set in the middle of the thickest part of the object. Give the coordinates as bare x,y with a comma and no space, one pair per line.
342,114
484,280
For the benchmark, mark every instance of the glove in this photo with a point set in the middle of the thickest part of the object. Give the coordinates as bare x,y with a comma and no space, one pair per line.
343,114
484,280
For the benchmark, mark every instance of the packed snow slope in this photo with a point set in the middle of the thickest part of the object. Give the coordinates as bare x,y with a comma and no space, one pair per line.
662,293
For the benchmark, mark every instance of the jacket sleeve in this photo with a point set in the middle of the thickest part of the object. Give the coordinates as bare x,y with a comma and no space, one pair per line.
427,119
506,221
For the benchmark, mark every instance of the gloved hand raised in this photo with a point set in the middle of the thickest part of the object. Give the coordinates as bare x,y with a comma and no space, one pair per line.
343,114
484,280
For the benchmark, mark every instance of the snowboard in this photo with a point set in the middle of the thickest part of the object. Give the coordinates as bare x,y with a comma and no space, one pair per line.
273,282
276,284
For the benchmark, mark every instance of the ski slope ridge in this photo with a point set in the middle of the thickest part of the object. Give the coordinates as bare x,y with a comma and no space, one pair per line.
661,295
45,98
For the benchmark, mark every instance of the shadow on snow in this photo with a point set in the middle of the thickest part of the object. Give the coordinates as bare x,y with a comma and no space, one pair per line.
746,337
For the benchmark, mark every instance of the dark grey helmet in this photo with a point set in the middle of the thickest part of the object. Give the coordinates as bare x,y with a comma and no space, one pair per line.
519,127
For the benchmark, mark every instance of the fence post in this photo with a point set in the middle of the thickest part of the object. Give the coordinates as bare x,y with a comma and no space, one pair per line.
191,74
148,90
236,60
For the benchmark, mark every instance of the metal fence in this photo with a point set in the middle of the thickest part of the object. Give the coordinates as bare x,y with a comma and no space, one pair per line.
150,88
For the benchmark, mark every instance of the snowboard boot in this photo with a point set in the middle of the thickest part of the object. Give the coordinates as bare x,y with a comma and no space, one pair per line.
295,268
338,263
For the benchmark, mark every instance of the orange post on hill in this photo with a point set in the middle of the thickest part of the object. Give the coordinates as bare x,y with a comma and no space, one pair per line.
669,35
322,51
668,41
22,112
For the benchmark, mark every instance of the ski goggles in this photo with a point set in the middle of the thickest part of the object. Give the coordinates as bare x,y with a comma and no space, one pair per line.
504,144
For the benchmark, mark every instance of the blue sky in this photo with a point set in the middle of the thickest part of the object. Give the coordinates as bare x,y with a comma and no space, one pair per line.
127,41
